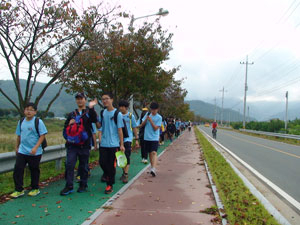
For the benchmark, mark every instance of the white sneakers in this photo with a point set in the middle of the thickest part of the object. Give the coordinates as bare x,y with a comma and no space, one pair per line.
144,161
153,172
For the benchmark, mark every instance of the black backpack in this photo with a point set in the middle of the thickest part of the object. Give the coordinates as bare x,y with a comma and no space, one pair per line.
36,124
115,117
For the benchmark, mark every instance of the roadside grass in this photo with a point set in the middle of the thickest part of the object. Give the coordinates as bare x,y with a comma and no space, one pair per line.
241,207
48,173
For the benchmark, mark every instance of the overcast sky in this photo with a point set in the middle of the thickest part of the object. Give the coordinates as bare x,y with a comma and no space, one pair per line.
212,37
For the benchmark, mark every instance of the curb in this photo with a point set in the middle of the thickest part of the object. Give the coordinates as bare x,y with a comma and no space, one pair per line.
215,192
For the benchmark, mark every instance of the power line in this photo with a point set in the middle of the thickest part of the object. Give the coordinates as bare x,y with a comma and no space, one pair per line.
291,5
292,12
274,89
281,83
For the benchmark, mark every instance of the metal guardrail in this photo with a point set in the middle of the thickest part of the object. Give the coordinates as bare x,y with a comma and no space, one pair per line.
55,152
289,136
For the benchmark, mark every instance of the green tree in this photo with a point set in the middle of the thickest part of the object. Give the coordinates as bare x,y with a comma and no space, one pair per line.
34,37
124,64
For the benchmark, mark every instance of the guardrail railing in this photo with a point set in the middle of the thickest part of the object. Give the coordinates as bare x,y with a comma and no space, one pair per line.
51,153
290,136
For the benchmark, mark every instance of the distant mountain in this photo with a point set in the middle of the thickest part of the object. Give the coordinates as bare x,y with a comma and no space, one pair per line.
207,110
65,103
260,110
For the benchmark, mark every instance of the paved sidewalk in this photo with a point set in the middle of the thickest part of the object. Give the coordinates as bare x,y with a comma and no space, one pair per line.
174,196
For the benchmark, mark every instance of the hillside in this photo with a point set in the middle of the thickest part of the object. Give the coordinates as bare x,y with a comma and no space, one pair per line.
207,110
65,103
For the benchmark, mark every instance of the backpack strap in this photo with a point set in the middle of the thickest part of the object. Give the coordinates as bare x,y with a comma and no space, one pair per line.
130,120
36,124
101,115
21,121
116,116
85,113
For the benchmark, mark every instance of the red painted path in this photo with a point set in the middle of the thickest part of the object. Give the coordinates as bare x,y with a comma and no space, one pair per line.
174,197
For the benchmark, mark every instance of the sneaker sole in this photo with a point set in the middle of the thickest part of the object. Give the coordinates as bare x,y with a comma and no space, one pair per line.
67,193
153,174
108,192
18,196
34,194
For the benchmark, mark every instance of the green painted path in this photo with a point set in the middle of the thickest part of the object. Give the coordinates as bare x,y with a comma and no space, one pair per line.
51,208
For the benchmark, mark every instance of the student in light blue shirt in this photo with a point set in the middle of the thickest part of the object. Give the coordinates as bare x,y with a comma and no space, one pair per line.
152,122
177,124
111,141
28,150
131,125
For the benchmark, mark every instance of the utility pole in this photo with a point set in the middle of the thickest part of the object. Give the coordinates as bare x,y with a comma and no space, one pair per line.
248,114
215,109
246,88
222,105
286,111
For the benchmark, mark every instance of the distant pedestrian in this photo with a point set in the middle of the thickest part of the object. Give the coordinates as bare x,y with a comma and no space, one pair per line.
131,125
111,140
31,133
189,125
152,122
171,129
177,125
78,134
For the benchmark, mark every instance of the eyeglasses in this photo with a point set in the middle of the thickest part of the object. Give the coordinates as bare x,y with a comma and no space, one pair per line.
105,99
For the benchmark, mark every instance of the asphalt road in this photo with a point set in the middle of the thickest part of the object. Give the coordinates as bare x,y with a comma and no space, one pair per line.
278,162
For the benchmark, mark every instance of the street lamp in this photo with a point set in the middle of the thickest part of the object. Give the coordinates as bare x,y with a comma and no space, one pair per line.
161,12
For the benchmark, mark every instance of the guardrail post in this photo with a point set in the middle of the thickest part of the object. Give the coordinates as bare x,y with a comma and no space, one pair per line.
58,164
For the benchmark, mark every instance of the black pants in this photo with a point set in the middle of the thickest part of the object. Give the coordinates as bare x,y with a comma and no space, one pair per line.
162,136
82,154
107,161
34,167
170,135
127,146
144,153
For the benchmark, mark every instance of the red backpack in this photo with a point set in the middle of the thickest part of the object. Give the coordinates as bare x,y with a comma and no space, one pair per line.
76,133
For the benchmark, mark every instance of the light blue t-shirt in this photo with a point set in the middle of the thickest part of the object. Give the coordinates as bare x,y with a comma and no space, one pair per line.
94,128
127,119
110,136
177,124
150,133
29,136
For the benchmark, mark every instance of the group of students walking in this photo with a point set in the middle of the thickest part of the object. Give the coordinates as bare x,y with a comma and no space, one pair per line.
117,127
